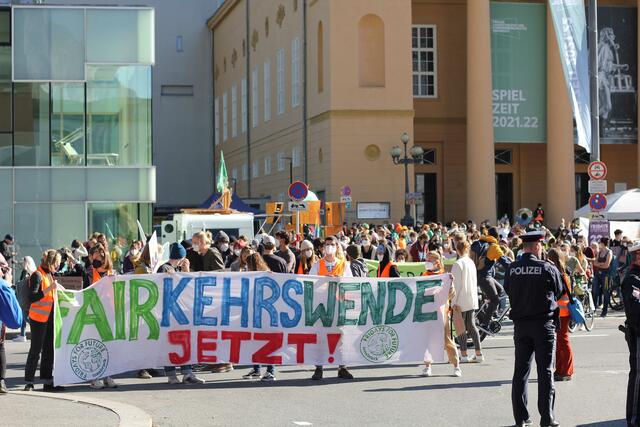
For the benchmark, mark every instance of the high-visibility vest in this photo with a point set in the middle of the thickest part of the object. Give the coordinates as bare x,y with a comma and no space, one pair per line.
433,273
563,302
95,276
41,309
337,271
300,268
386,271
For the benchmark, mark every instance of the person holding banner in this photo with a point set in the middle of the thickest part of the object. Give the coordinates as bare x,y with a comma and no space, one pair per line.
332,264
241,263
43,287
386,267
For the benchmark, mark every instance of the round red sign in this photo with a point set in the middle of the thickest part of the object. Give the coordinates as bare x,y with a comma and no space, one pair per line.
597,170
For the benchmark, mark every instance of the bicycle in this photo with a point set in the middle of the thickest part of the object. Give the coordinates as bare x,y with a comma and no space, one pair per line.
583,294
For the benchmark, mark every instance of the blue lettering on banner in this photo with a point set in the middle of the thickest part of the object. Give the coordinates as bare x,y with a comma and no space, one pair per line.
170,302
259,303
286,320
200,301
228,301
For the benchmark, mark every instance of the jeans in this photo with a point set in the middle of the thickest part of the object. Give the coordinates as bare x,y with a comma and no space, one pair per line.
601,294
41,342
3,356
184,369
23,327
270,368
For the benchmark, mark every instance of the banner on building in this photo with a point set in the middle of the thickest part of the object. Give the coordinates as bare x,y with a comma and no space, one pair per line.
598,228
518,59
570,24
125,323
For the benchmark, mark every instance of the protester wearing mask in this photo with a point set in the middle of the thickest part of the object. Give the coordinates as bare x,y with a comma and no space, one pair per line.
10,315
419,249
234,253
222,244
240,264
131,257
368,250
283,250
386,267
332,264
202,256
274,262
306,259
402,255
42,286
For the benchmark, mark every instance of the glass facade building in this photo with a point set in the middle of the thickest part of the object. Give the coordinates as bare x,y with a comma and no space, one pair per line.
75,124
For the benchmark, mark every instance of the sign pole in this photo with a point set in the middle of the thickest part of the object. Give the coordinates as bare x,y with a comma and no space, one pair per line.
297,222
593,79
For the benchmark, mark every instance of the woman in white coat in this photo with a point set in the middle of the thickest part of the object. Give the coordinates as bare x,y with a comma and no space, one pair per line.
465,282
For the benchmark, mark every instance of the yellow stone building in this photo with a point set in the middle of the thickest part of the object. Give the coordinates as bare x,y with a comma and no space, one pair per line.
322,90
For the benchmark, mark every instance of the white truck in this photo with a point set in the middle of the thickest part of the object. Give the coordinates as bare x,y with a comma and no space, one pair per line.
185,225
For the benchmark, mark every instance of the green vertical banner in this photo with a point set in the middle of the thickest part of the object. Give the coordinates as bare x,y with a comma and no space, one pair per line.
519,63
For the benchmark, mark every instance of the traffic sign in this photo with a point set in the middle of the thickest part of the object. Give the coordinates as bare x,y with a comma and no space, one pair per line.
297,206
598,202
298,191
346,190
345,199
597,170
597,186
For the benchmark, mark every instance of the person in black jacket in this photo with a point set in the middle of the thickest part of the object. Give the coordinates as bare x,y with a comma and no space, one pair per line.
387,267
631,296
274,262
533,287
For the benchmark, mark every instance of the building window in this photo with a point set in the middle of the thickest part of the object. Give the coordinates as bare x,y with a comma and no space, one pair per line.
267,166
234,111
320,60
280,162
31,124
503,157
243,102
254,98
295,157
216,107
234,174
245,172
423,39
225,135
295,72
267,90
371,51
255,170
67,124
280,65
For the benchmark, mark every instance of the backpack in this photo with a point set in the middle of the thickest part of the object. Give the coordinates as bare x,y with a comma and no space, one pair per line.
22,293
478,253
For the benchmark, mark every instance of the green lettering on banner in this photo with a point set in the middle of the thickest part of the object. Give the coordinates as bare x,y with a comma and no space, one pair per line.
60,313
143,311
422,299
393,287
98,318
346,304
370,304
118,303
322,312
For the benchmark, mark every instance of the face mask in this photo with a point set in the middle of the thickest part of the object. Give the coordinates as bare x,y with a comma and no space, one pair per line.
224,247
308,253
134,252
428,265
96,263
446,246
278,242
330,250
366,243
196,248
380,257
236,252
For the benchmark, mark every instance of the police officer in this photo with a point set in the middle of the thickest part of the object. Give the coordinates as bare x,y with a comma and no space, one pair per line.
533,286
631,296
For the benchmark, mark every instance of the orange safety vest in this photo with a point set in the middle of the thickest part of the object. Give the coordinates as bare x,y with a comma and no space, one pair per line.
41,309
433,273
386,271
300,269
337,271
563,302
95,276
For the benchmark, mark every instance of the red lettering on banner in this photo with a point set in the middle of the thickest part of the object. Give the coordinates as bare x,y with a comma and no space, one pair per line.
274,343
207,346
235,341
299,340
183,339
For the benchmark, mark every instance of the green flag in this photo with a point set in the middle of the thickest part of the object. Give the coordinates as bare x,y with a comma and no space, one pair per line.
223,178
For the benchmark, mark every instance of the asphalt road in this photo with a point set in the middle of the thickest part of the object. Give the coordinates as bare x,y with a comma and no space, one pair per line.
381,395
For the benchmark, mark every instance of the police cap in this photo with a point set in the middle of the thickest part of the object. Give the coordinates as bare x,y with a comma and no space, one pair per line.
532,237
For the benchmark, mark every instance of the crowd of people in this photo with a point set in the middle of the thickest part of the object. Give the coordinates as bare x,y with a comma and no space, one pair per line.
477,255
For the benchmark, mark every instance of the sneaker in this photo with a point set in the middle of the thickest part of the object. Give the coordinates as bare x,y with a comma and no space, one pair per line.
253,374
467,359
192,379
20,338
144,374
317,374
95,384
268,376
222,368
344,374
28,387
173,379
426,372
109,383
3,387
457,372
479,358
52,389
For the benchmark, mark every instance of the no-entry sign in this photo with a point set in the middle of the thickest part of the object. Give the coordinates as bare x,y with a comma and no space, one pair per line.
597,170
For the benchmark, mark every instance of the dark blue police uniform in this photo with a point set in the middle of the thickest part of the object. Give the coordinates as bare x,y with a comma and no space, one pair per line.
632,336
533,287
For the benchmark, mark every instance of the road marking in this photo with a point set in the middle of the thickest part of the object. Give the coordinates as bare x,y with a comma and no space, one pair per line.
302,423
572,336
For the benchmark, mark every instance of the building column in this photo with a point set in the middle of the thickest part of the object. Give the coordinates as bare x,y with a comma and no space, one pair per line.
481,180
561,180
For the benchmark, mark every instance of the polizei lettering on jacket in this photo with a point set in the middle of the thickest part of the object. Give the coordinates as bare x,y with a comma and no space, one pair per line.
526,270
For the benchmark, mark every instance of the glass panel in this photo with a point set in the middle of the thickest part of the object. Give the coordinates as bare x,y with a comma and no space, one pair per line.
6,152
31,124
49,44
41,226
119,115
5,88
120,36
50,184
5,26
6,200
67,124
121,184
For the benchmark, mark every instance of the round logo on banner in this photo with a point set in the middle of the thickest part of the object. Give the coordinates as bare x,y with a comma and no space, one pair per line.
89,359
379,344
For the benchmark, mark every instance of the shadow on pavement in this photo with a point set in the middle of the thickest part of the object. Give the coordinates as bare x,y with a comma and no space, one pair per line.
611,423
423,387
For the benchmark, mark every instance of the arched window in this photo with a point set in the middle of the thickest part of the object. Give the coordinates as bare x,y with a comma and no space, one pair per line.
320,59
371,57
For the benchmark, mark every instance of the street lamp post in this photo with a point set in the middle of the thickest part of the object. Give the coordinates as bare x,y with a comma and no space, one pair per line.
416,157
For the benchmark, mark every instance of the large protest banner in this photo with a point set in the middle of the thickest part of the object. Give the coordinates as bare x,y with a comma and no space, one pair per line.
125,323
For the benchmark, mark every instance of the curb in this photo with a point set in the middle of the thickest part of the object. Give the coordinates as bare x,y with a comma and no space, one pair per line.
130,416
